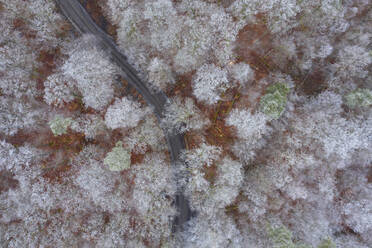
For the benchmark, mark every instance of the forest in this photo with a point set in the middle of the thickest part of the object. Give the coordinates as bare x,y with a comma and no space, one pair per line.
186,123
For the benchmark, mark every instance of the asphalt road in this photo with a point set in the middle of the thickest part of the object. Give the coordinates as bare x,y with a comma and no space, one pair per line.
82,22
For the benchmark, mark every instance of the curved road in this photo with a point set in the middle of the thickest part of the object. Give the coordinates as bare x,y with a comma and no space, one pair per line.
82,21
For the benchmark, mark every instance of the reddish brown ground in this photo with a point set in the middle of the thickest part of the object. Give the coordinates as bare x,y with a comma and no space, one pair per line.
6,181
95,9
47,63
64,147
20,25
60,149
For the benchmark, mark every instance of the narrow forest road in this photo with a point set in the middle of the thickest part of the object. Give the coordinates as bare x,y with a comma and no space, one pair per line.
83,22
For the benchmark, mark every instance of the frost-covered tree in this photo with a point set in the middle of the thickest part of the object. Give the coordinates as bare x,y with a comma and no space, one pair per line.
192,174
16,66
318,16
124,113
116,8
242,73
299,168
250,129
152,198
203,155
358,216
217,232
280,13
57,90
183,32
162,16
15,159
182,115
33,203
16,115
248,125
160,74
260,183
97,180
291,149
357,202
206,197
92,71
352,62
328,131
91,125
209,83
39,16
228,182
146,135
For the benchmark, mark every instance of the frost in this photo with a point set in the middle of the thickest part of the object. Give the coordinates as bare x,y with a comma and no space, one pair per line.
228,182
153,193
93,73
116,8
316,48
16,65
91,125
250,129
162,17
209,83
242,73
128,30
318,16
182,116
16,114
183,32
59,125
325,16
40,16
203,155
114,232
102,188
358,215
146,135
249,126
57,92
300,192
308,172
160,74
14,159
260,183
184,61
118,159
209,198
337,137
216,232
353,62
124,113
280,13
